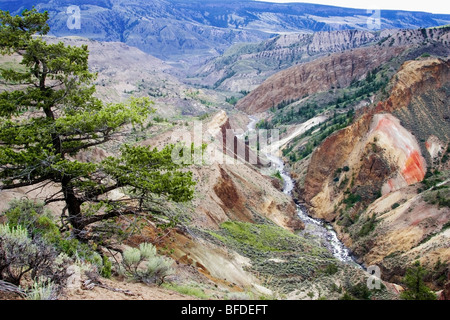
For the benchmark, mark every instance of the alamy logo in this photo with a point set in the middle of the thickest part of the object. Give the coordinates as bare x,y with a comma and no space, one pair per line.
74,20
374,281
230,146
374,21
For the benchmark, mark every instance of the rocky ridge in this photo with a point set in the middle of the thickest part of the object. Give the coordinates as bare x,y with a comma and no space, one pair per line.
378,195
338,70
177,29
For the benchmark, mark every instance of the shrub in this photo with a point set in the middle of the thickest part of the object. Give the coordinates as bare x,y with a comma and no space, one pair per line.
158,268
277,175
346,296
331,269
32,216
187,290
352,199
232,100
155,270
17,253
20,255
42,289
416,288
106,268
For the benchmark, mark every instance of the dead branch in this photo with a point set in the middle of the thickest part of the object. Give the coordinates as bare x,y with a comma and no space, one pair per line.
91,284
9,287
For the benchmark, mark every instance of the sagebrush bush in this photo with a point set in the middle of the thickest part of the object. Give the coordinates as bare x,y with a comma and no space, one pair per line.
144,265
20,255
43,289
238,296
39,222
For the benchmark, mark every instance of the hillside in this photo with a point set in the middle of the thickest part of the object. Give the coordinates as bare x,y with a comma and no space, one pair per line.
245,66
185,31
374,161
337,70
384,204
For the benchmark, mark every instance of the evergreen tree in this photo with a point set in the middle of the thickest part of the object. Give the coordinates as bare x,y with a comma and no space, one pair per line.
49,113
416,288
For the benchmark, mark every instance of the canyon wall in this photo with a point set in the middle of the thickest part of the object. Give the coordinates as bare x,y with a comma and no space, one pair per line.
378,205
334,71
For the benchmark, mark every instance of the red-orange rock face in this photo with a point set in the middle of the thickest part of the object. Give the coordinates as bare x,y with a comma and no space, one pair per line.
387,148
414,79
337,70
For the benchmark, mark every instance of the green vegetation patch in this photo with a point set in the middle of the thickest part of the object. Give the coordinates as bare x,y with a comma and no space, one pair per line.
187,290
368,226
285,258
437,191
5,66
262,237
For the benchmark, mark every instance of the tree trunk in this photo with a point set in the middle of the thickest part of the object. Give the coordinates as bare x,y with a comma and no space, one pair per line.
73,205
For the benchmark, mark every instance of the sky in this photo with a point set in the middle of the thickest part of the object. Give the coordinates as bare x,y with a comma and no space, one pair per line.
433,6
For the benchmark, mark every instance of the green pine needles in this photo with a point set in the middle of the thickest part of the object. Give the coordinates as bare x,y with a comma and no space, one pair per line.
49,113
415,284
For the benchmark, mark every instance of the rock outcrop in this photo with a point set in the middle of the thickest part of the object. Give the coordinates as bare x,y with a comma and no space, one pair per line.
445,295
334,71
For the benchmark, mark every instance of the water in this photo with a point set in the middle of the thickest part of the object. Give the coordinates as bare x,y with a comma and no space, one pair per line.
315,229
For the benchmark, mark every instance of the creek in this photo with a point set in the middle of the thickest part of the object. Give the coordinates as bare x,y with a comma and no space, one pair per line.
318,230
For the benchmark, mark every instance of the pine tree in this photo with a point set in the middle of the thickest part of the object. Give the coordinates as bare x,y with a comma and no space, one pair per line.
416,288
49,113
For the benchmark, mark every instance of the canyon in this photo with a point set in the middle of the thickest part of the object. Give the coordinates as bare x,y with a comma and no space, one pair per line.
366,179
361,166
386,166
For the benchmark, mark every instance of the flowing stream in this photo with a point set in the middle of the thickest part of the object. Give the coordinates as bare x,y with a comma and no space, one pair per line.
320,231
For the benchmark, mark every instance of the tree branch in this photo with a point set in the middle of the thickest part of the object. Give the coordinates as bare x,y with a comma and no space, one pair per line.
22,184
9,287
88,145
109,215
46,202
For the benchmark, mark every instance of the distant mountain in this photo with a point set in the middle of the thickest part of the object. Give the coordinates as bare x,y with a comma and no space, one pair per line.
244,67
332,70
173,29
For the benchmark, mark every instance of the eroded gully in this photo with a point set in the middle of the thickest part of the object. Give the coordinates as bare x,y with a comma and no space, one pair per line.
315,229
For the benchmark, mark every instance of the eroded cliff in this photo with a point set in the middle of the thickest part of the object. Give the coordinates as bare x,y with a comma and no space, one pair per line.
372,178
334,71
